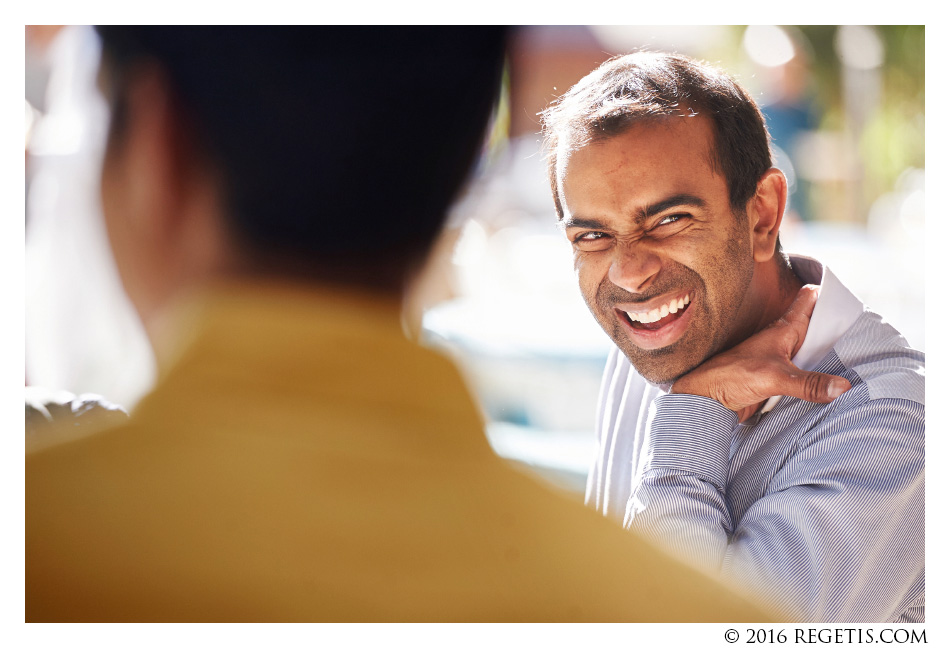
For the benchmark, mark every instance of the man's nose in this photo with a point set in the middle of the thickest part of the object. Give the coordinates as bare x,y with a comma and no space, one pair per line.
633,268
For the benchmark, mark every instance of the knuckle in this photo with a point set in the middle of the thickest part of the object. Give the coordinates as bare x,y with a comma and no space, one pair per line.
813,385
796,317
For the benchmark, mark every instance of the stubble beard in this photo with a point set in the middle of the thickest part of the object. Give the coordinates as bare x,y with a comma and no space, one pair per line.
664,365
707,332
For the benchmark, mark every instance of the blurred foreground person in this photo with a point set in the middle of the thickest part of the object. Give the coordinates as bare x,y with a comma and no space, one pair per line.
268,192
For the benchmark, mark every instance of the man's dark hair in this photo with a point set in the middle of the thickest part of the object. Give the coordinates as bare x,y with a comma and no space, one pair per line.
645,86
340,148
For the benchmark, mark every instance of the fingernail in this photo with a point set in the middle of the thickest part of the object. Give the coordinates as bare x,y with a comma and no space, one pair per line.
836,388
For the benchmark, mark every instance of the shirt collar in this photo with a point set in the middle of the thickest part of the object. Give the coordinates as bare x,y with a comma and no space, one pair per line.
835,311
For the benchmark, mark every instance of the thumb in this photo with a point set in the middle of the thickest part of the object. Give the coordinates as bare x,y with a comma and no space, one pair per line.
813,386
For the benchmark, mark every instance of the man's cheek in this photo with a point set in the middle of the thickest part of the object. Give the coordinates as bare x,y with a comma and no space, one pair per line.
578,262
589,280
590,269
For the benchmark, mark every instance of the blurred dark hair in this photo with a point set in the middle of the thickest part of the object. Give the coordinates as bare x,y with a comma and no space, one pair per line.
340,148
645,86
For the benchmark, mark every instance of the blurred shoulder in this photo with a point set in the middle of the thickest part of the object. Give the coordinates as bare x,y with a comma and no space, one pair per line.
59,416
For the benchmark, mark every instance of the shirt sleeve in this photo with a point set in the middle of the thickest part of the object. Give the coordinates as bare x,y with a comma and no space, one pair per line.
837,534
597,474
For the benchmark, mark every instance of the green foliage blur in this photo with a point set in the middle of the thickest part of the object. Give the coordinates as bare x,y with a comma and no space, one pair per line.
881,125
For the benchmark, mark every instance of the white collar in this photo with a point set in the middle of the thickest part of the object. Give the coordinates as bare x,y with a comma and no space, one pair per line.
835,311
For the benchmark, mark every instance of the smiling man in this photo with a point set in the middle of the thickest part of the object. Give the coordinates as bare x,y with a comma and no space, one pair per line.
754,417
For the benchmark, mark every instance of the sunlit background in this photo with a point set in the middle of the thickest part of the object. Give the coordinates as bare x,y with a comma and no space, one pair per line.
845,106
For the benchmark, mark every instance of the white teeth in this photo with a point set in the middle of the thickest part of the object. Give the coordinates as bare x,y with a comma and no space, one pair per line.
657,314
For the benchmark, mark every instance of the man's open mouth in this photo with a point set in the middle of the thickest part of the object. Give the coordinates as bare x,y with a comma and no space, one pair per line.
657,318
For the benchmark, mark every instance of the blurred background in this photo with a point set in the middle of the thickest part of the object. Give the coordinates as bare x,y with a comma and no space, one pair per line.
845,107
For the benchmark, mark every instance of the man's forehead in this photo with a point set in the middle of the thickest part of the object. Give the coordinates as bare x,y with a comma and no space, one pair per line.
692,133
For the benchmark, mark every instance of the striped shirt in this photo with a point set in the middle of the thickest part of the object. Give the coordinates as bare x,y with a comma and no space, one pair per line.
818,509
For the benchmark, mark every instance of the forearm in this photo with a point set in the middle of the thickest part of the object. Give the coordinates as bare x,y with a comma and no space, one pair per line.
679,497
836,533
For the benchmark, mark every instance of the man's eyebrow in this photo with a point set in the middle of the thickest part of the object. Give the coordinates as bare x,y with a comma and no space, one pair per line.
679,200
587,223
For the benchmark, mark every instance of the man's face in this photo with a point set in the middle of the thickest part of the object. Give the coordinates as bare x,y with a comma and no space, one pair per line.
664,264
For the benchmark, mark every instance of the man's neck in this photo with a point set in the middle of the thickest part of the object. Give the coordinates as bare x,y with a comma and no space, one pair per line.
784,284
789,282
775,286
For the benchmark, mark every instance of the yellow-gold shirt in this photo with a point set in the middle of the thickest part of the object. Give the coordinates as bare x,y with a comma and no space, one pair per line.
301,460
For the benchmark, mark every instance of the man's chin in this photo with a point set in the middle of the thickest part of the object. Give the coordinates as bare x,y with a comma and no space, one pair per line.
661,367
663,381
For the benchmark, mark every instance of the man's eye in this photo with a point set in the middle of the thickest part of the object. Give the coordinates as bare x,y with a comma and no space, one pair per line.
672,218
591,241
590,236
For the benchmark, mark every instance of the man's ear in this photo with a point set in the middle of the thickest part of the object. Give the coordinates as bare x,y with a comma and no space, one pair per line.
152,152
765,211
159,198
170,193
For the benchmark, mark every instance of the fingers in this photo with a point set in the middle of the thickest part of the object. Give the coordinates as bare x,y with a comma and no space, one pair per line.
814,387
803,305
760,367
798,316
